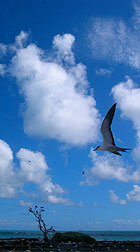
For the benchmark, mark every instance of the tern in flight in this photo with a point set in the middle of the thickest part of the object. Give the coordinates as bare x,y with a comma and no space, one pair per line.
108,140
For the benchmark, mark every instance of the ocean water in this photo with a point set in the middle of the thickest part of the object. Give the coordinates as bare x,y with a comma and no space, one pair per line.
98,235
4,234
115,235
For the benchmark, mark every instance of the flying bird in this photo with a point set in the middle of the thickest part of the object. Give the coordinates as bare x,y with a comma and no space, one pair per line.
108,140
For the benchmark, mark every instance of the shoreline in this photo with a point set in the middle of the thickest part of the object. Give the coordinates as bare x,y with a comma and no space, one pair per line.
132,235
38,244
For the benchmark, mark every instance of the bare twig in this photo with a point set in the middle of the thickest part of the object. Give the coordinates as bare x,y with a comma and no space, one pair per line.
37,212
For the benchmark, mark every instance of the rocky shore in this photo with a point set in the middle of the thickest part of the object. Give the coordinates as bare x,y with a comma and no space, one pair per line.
33,244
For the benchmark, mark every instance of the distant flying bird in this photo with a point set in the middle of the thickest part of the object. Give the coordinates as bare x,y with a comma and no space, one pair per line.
108,140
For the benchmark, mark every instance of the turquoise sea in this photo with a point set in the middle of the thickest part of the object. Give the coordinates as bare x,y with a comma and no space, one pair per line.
115,235
98,235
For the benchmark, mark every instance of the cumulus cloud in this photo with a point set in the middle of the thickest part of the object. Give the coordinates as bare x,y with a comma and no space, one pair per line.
2,69
26,203
114,40
115,199
3,49
20,39
103,71
8,179
109,167
134,195
33,168
33,165
55,90
127,96
54,199
63,44
136,18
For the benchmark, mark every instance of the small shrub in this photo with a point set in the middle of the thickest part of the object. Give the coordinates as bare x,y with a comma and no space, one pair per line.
72,237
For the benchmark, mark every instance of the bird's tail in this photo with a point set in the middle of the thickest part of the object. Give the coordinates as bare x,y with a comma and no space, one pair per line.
123,149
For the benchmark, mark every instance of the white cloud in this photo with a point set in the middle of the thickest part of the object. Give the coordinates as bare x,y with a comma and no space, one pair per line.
119,221
54,211
98,223
33,165
33,168
20,39
96,205
94,223
3,49
57,104
137,222
2,69
123,222
8,178
109,167
127,222
112,39
136,18
115,199
60,200
103,71
134,195
127,96
63,44
80,204
26,203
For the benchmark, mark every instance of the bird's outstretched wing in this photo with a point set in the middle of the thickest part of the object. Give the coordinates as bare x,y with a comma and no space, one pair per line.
106,126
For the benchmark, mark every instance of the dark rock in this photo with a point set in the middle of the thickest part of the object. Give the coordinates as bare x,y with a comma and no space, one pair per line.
26,244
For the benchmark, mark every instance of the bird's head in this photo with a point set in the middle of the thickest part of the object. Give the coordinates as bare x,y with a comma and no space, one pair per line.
97,148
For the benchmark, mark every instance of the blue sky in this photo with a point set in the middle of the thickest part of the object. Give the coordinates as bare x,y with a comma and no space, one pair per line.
62,66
